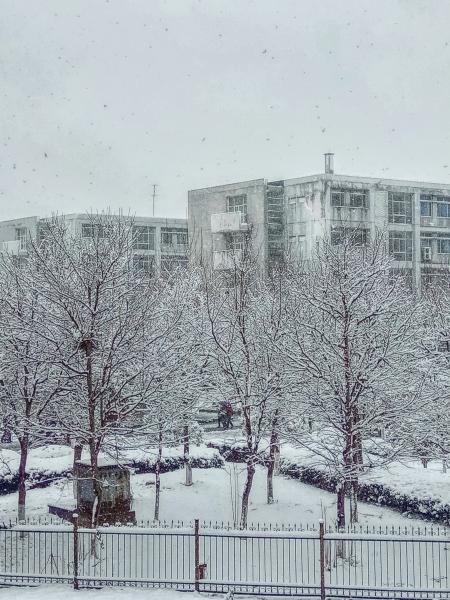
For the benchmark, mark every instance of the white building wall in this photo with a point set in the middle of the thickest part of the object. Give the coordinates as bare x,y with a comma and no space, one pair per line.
75,223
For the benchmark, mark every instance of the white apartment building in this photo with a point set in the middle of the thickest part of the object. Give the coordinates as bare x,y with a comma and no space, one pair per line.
159,244
294,214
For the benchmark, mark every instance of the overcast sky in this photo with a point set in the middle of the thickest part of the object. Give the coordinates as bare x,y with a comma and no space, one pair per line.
100,99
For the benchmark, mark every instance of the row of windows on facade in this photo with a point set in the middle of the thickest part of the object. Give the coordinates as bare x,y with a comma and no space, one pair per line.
431,244
400,204
144,235
147,263
400,243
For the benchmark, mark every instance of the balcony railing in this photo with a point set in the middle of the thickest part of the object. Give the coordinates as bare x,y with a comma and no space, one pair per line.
11,247
224,222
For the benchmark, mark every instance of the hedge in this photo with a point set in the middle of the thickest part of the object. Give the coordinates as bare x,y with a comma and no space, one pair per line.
431,509
41,479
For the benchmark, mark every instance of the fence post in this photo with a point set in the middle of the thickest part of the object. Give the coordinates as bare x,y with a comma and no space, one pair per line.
197,555
75,550
322,559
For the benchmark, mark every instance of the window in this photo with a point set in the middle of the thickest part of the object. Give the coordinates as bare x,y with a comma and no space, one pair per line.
355,236
400,245
21,236
145,263
171,263
443,245
425,209
351,198
91,230
44,232
173,236
400,207
238,204
235,241
432,277
182,238
444,346
358,199
443,210
292,211
337,198
143,237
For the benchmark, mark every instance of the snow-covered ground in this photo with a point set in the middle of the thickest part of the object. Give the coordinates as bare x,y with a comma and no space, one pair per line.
215,496
59,592
406,476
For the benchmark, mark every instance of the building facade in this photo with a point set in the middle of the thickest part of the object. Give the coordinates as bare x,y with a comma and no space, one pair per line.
220,218
293,215
159,244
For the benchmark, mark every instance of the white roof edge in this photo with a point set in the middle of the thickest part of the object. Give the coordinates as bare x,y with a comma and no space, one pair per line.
360,179
247,183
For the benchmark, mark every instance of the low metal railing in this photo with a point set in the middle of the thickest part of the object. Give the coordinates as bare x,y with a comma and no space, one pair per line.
314,562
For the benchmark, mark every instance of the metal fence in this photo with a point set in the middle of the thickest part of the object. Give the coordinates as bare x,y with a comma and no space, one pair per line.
309,562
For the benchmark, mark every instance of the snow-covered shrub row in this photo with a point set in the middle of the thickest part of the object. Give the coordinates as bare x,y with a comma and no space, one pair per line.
375,493
433,509
201,457
232,453
47,463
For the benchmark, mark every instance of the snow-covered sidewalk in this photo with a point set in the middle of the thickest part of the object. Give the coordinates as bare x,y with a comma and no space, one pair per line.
59,592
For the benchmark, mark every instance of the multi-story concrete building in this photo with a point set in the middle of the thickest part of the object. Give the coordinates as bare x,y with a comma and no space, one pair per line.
294,214
159,244
220,218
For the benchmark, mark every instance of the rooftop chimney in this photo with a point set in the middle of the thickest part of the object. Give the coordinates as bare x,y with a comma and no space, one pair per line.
329,163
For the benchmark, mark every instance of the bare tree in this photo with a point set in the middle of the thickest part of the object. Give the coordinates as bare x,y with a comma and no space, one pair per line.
29,379
353,348
243,365
431,426
172,373
96,305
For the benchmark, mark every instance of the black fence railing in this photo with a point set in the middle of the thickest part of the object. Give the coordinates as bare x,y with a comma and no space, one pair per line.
289,561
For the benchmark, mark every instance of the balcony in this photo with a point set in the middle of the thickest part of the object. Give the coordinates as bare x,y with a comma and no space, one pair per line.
226,222
11,247
224,260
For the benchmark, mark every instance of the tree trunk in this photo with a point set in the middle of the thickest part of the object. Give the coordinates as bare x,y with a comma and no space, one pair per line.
158,476
273,452
187,458
270,470
340,505
354,486
22,475
358,449
97,485
246,493
77,452
444,465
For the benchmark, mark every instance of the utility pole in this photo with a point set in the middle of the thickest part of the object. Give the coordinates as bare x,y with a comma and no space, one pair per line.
153,197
